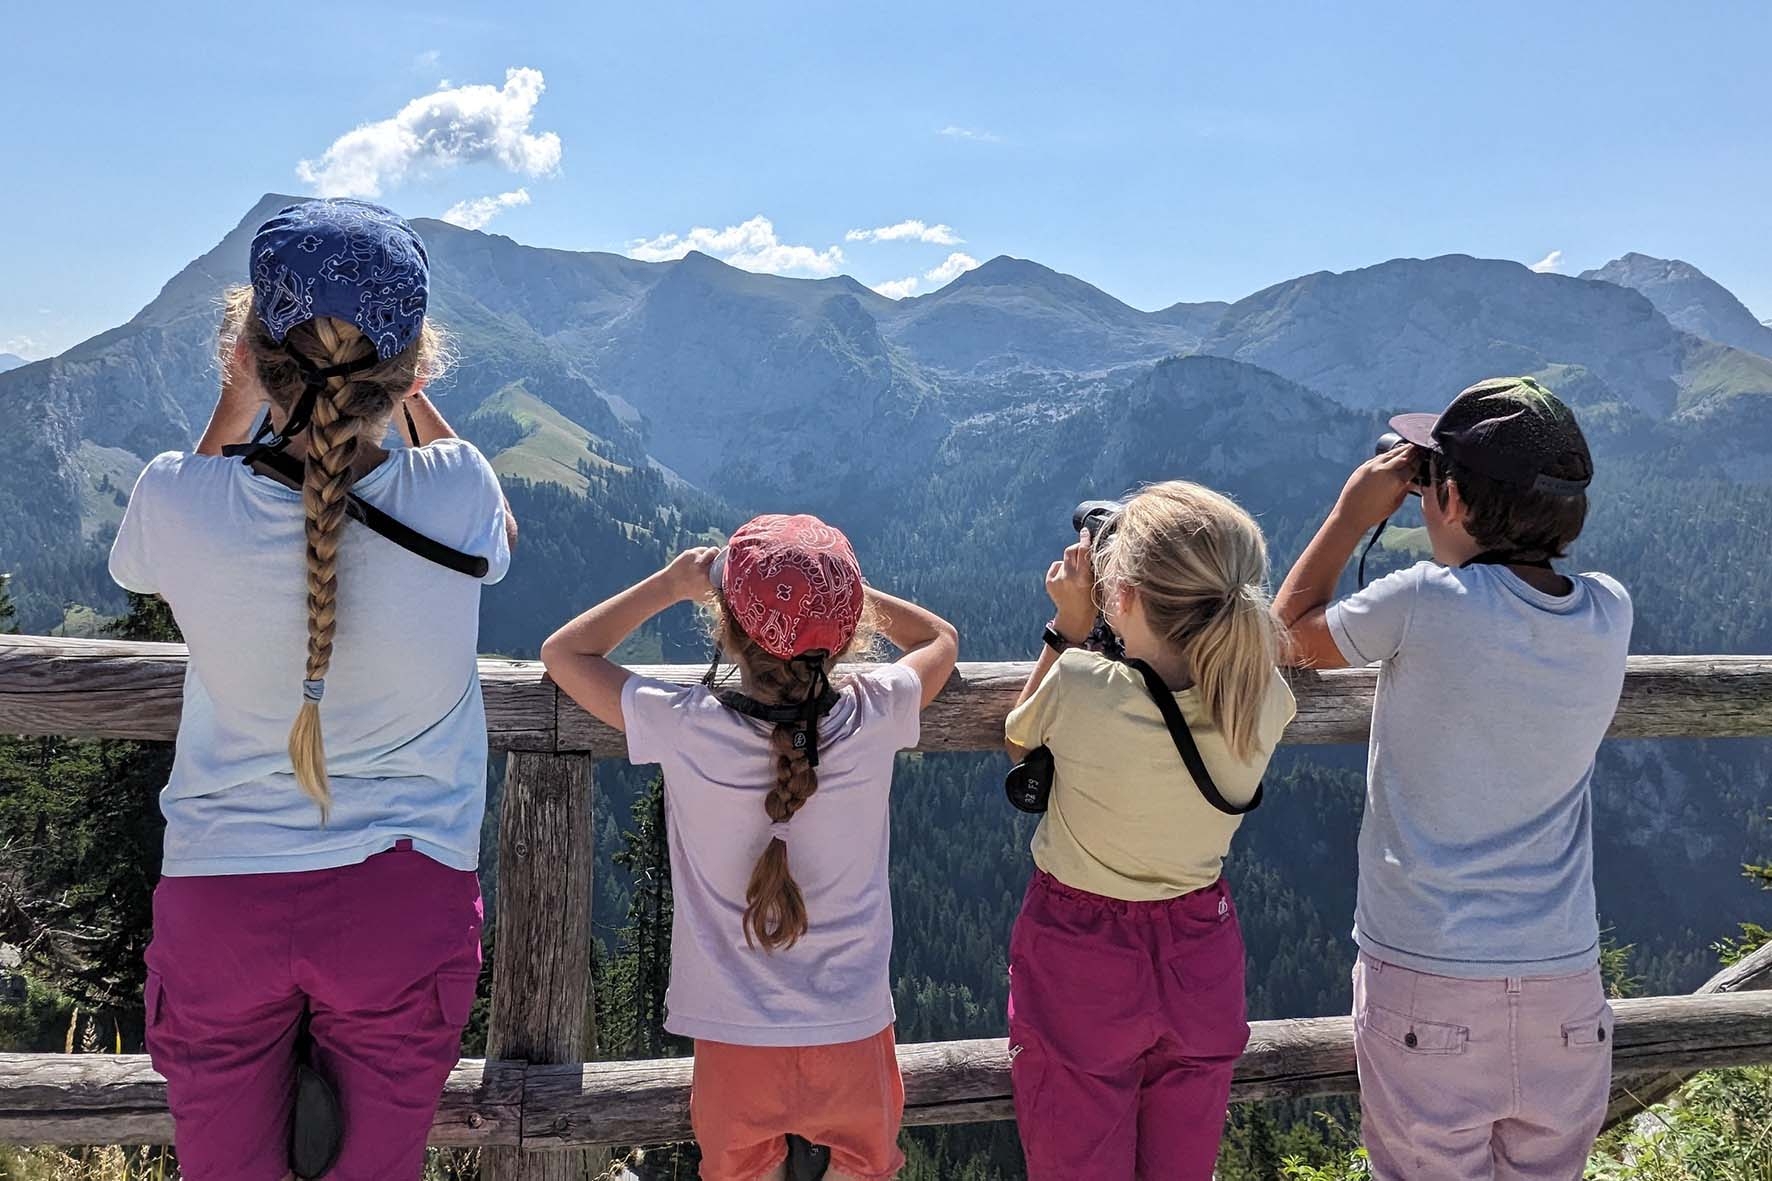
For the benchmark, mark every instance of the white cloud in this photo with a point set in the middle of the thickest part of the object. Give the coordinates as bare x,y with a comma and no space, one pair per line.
751,245
898,288
976,135
427,60
22,346
473,214
913,229
449,127
952,267
1550,264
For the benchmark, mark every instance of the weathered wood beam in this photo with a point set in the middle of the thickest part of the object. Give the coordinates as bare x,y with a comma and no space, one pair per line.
112,689
965,1082
119,1099
541,1003
1635,1093
85,1099
109,689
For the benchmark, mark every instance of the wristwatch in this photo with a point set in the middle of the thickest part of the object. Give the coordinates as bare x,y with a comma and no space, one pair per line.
1055,639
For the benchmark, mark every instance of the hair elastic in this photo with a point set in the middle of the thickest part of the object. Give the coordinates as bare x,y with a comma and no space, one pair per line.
313,690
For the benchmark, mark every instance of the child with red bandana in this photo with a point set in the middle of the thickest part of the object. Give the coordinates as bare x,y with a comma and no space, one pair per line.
776,794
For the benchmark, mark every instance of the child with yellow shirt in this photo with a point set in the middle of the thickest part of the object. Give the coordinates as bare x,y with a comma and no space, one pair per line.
1126,1013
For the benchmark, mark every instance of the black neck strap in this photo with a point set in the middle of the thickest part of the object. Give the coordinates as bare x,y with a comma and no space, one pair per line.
1184,742
290,470
802,715
268,455
314,379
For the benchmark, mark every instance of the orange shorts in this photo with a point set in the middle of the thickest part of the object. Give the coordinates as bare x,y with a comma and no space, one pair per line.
745,1100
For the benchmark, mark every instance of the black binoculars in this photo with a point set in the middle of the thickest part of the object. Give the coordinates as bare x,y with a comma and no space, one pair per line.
1097,516
1420,474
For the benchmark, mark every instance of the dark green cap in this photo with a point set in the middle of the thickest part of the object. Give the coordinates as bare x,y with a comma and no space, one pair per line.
1510,429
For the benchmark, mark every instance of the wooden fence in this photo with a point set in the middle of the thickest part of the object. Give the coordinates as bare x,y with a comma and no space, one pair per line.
534,1103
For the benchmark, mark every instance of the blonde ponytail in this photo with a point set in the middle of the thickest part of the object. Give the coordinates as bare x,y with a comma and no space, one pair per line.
347,409
1198,562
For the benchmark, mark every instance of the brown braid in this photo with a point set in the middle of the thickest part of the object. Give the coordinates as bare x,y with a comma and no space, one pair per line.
347,410
775,910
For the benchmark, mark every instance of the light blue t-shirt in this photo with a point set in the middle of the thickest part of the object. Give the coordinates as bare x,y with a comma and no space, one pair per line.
1476,850
403,723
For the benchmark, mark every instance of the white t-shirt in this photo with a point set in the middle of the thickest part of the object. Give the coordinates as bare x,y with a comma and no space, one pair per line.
402,719
831,986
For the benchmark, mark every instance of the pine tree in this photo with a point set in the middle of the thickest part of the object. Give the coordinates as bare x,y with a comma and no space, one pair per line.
631,984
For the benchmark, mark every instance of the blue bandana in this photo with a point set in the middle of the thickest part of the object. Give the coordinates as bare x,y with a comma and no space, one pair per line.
346,259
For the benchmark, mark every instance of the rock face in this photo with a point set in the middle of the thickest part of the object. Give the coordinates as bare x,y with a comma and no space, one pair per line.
1014,314
1409,333
1691,300
759,389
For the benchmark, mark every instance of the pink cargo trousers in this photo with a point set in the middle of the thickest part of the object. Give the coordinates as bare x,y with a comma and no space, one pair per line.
1125,1022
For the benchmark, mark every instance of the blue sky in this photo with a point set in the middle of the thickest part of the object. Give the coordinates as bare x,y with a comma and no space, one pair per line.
1161,151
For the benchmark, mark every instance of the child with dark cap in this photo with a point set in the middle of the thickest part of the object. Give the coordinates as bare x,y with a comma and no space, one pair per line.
1481,1026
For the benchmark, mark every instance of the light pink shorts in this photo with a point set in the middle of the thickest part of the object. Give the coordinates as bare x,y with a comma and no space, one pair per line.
1480,1080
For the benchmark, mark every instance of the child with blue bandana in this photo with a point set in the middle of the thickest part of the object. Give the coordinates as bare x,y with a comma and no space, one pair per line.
324,806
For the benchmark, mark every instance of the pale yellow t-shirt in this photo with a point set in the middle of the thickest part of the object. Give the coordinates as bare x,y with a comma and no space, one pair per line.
1125,819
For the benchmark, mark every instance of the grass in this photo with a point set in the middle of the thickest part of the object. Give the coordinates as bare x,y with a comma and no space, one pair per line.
106,474
553,446
158,1163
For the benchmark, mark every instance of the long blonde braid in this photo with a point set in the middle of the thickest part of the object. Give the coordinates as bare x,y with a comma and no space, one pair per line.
345,409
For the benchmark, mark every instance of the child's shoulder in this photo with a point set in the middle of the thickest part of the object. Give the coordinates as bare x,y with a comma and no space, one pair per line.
1605,586
174,475
662,695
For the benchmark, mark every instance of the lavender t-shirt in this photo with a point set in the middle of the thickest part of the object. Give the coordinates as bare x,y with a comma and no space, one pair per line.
832,985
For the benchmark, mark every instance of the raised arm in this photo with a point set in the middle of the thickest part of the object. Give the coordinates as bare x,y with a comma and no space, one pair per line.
1375,491
577,656
236,409
420,422
929,643
1070,582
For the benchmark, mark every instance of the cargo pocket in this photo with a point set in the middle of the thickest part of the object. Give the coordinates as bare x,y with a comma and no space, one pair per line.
1412,1033
164,1050
1592,1035
455,997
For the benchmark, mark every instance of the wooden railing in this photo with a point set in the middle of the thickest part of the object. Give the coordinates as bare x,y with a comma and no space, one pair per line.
535,1099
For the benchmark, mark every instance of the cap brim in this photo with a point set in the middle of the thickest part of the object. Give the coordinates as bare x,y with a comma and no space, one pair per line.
1417,429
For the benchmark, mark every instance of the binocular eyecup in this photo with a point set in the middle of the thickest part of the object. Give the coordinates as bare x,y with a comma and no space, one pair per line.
1097,516
1419,474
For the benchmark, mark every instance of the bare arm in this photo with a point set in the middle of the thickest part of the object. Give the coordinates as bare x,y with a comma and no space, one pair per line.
235,410
929,643
426,417
1070,582
577,656
1372,494
427,425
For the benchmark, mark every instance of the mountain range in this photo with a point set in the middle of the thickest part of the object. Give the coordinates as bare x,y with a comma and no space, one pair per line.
635,407
742,384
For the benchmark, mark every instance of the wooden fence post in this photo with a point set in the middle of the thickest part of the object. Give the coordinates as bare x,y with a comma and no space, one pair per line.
541,987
